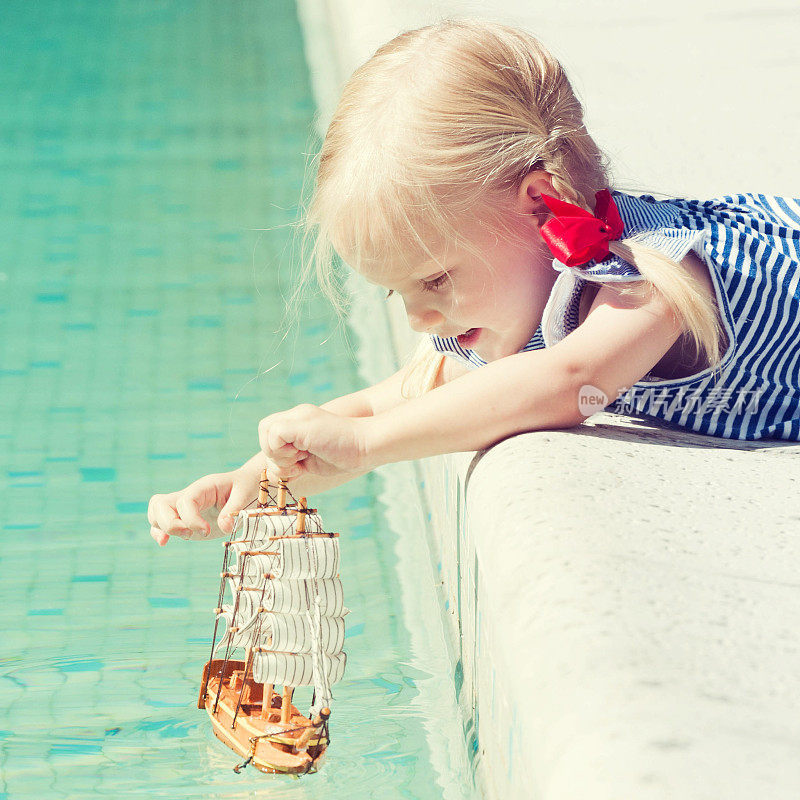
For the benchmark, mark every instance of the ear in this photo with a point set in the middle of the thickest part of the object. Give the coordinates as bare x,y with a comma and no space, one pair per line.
529,194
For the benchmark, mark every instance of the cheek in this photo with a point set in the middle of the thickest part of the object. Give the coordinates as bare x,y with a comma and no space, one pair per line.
477,288
527,278
467,302
490,296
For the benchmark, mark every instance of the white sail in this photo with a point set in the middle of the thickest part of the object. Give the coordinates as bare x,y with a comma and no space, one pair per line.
257,527
301,557
246,603
295,596
283,594
295,669
239,618
283,597
293,633
290,601
233,636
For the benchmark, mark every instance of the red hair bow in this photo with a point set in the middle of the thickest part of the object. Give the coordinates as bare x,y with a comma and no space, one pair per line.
575,236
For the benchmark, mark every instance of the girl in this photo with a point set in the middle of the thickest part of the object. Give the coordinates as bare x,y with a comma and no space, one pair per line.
456,167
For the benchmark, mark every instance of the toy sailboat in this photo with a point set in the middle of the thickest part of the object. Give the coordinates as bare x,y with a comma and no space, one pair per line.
286,612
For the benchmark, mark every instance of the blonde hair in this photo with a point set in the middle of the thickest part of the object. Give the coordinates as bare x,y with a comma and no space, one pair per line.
441,125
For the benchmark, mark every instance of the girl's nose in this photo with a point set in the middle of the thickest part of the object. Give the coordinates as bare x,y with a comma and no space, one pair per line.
423,319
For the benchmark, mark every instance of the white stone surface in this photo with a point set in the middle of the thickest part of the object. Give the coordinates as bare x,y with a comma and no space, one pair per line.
688,98
643,594
625,599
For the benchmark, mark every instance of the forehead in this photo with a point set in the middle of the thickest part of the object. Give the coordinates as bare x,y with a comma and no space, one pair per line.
394,273
395,258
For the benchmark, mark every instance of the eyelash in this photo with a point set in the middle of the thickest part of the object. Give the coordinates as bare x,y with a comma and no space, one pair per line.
436,283
427,286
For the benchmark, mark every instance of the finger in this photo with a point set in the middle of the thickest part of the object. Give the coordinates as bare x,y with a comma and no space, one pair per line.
288,450
169,521
263,432
160,537
182,533
190,514
161,510
155,500
279,472
278,437
286,456
162,513
179,533
236,502
277,448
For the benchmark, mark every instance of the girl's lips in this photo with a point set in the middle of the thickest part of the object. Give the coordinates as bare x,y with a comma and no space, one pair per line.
469,338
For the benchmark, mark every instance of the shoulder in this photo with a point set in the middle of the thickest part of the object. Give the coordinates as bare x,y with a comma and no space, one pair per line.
657,224
628,329
638,293
642,213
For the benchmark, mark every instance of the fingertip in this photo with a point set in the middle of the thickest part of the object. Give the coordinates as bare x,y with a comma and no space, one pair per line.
159,536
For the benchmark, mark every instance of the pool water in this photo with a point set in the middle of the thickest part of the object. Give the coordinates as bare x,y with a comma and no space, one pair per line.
152,159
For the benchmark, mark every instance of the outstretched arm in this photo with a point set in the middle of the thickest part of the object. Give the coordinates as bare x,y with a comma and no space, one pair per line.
525,391
207,507
622,338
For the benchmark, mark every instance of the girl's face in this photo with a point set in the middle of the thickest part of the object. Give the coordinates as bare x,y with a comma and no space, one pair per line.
490,296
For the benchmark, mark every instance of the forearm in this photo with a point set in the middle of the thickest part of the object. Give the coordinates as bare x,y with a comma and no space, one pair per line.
375,399
524,392
356,404
363,403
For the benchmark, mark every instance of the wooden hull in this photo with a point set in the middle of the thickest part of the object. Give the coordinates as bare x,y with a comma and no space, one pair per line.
276,752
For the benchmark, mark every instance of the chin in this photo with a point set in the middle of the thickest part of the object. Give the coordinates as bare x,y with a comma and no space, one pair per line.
493,345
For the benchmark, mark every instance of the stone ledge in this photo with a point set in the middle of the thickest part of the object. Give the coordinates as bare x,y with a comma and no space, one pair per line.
617,588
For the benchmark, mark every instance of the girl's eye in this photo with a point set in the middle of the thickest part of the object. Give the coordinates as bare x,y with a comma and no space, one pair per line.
435,283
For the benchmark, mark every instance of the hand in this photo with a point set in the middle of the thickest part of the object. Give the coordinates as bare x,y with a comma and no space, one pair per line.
308,440
192,512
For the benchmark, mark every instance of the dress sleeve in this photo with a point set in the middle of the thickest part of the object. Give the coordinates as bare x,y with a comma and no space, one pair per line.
674,243
611,269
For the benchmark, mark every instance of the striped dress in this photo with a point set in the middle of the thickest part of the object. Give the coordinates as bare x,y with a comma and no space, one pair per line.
751,246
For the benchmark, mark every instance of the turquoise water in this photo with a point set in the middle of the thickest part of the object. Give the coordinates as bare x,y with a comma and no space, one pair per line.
152,159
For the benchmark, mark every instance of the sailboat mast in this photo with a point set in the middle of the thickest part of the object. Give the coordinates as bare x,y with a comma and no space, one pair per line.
286,704
263,494
300,527
266,703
